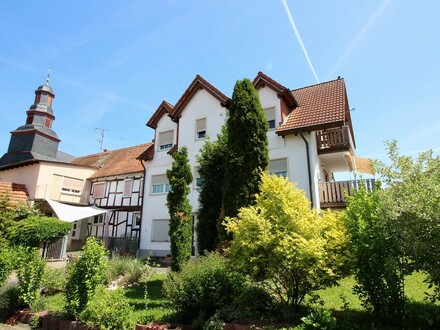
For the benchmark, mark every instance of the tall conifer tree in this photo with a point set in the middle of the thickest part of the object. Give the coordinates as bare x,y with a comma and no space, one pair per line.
247,148
211,162
180,178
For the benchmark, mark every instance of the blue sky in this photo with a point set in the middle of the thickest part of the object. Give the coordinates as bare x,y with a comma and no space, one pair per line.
113,62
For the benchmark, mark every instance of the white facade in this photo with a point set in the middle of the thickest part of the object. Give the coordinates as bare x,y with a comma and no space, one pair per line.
288,155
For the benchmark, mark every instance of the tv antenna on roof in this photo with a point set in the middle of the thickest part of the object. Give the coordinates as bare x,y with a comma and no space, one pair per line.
101,139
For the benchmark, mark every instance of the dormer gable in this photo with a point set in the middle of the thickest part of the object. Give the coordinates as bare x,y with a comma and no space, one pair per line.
164,108
262,80
197,84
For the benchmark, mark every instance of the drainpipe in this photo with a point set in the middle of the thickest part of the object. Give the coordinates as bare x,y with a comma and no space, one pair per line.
308,167
142,208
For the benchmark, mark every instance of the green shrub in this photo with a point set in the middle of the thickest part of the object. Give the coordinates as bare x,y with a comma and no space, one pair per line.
203,286
30,271
7,262
35,230
108,310
129,268
84,275
54,281
9,301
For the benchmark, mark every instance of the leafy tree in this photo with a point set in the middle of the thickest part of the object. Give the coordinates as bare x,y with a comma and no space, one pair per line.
379,259
413,187
284,244
84,275
180,178
211,169
247,148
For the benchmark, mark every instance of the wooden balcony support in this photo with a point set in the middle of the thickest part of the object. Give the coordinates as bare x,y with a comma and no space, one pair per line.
333,139
333,194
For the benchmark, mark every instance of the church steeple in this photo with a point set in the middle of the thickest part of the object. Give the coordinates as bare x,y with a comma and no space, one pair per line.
35,140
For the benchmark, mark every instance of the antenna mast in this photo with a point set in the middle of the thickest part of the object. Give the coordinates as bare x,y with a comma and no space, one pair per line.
101,139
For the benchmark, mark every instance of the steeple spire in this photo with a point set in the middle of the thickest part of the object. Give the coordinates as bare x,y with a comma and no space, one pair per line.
48,78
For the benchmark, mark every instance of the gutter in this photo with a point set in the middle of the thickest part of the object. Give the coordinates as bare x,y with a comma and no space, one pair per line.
308,167
142,208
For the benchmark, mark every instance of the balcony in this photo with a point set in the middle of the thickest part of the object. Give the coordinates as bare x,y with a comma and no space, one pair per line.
334,139
60,194
333,194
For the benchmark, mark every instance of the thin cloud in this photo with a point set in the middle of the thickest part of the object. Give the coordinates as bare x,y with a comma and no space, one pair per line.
359,36
79,85
298,37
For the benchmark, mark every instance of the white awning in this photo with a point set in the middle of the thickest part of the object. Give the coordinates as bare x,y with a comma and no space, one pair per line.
72,213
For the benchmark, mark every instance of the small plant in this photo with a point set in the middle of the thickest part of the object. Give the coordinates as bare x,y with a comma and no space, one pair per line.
125,270
147,273
54,281
108,310
29,273
84,275
8,301
7,258
214,323
319,318
34,322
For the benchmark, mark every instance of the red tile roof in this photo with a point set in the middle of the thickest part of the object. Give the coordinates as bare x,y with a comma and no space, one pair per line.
115,162
17,192
319,106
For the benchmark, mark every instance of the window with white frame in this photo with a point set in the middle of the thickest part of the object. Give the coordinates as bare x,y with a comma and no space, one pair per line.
198,182
72,185
98,189
278,167
160,229
200,129
166,140
128,184
270,117
160,184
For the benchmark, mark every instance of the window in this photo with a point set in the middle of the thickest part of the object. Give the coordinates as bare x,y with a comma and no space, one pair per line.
128,184
166,140
270,117
72,185
200,129
198,180
160,184
98,189
278,167
160,231
97,219
136,220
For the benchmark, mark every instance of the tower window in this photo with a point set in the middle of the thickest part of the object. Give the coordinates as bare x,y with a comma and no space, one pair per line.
166,140
200,129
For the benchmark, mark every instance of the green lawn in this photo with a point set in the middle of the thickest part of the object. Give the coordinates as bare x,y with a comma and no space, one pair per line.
339,299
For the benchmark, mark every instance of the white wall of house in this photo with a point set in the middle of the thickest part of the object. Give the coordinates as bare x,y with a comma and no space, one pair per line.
39,179
288,151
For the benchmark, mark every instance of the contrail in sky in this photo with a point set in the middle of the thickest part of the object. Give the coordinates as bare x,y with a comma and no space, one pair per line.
359,36
298,37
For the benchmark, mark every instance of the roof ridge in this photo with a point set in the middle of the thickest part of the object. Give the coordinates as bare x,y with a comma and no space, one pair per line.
321,83
110,151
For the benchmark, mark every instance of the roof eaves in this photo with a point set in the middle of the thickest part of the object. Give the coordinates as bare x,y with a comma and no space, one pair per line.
262,80
197,84
164,108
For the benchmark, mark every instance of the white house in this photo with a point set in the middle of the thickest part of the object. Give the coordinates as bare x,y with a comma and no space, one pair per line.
310,138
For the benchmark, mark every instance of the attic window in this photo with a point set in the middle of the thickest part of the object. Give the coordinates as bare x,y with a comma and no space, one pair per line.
200,129
166,140
270,117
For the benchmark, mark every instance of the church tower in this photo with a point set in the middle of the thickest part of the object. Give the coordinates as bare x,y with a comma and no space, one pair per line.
35,140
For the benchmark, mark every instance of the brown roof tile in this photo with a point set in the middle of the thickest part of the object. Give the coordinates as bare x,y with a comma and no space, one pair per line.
17,192
114,162
321,105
